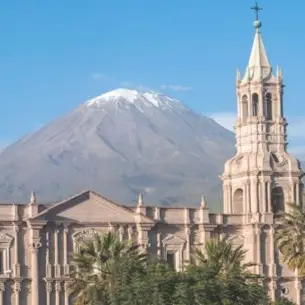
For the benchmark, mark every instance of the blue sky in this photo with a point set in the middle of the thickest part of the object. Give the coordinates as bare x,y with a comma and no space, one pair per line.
56,54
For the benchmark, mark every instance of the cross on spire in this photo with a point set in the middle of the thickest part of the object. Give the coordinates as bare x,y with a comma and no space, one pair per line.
256,8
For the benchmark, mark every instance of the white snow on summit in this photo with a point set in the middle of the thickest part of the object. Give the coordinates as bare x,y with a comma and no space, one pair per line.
136,98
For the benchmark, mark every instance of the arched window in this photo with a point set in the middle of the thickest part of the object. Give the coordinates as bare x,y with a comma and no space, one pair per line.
238,202
244,105
254,104
268,106
277,200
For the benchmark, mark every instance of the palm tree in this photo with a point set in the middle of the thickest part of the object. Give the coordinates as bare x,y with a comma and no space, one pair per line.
100,266
223,257
222,275
290,237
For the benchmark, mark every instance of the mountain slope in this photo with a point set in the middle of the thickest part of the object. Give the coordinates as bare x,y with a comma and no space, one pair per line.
119,144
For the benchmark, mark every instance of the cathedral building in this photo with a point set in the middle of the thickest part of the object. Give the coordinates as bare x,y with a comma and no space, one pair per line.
36,240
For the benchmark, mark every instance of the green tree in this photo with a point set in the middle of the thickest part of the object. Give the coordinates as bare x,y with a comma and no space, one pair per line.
222,276
290,237
223,256
103,264
282,301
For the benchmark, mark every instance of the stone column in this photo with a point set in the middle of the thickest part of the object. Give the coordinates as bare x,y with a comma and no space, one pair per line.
130,232
2,289
258,250
188,245
121,233
297,193
56,253
34,247
17,289
66,250
272,263
254,196
272,289
67,293
247,202
57,293
159,246
48,292
48,264
230,198
16,251
264,207
269,197
298,287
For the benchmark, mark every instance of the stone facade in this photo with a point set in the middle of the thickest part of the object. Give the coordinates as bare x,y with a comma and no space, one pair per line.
36,239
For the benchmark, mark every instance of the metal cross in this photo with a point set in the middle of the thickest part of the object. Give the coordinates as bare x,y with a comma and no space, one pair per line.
256,8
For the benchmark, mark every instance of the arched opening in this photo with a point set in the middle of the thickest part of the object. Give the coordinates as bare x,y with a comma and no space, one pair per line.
238,202
277,200
244,105
268,106
254,104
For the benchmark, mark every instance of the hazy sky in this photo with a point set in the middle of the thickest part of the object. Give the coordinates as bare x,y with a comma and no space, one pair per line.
56,54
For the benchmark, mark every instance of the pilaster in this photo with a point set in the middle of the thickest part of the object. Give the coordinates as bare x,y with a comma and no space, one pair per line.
66,249
16,271
2,290
17,290
48,292
57,292
57,269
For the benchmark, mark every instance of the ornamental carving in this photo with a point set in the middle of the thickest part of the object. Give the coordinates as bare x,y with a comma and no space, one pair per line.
2,286
58,286
5,238
17,286
49,286
84,234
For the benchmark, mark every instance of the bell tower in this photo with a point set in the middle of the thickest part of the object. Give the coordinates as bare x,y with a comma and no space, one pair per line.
262,177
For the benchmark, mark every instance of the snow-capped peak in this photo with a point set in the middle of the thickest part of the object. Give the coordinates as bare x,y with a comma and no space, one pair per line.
149,99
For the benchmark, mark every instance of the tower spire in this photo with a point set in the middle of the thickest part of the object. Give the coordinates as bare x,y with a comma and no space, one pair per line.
259,67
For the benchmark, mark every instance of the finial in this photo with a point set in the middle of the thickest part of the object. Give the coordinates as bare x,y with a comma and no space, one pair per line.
237,75
33,198
203,203
279,72
257,23
140,200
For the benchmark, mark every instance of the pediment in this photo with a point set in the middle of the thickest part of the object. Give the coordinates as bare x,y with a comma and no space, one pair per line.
90,207
173,240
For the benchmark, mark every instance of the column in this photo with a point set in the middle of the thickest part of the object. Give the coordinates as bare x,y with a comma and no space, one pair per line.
159,246
66,250
188,244
230,199
17,289
269,197
258,250
273,288
57,293
16,251
297,193
48,292
254,196
264,207
66,293
34,247
56,254
247,202
130,232
298,287
121,233
272,263
2,289
48,264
